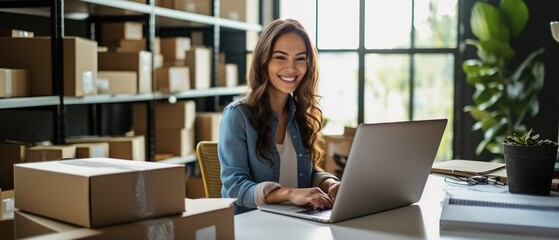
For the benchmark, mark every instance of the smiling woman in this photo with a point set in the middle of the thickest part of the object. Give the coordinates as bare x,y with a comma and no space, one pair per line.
269,144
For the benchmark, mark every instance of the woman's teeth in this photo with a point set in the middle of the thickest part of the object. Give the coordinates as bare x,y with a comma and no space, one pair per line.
289,79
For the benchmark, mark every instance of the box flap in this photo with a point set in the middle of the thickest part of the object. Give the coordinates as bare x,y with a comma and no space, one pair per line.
95,166
202,205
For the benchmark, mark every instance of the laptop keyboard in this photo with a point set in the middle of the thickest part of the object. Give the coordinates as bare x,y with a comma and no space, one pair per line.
317,212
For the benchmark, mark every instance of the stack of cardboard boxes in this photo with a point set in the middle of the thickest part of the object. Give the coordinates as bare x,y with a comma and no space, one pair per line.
26,68
7,214
13,152
127,66
103,198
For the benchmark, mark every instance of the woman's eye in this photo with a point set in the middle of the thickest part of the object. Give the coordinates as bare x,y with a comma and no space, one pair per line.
301,59
279,57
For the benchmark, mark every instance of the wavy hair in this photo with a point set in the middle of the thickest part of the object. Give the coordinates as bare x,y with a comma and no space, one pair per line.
308,113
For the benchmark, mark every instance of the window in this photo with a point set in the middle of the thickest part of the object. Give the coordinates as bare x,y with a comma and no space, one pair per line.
383,60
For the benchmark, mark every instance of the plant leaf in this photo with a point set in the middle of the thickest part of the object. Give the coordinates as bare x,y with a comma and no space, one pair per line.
515,13
486,22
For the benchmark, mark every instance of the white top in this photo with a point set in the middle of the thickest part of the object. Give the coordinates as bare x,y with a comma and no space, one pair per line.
288,162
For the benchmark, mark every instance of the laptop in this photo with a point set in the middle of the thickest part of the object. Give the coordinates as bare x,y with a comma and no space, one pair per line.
387,167
501,212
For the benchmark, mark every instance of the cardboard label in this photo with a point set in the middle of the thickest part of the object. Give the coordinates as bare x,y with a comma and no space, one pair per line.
88,83
8,83
207,233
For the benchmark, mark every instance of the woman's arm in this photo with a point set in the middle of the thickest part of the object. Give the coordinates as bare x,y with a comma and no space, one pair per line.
233,157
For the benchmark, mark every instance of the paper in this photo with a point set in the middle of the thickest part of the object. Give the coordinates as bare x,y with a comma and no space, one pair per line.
468,168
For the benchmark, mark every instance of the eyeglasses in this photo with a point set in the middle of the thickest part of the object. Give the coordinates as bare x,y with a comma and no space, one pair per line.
473,180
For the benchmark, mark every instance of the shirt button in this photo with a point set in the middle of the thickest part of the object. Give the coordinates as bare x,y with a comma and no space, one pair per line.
294,136
300,155
300,174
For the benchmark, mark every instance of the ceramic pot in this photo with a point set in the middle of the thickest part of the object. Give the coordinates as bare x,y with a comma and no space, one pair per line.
529,168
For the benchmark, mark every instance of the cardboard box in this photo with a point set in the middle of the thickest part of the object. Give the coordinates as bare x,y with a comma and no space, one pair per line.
139,62
174,48
115,82
207,126
14,82
337,147
7,215
126,45
49,153
167,116
15,33
243,10
10,154
204,219
228,75
195,187
7,200
114,31
195,6
179,142
92,150
158,61
198,60
98,192
172,79
120,147
34,54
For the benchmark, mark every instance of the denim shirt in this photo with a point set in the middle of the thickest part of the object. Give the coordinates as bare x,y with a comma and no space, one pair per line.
243,172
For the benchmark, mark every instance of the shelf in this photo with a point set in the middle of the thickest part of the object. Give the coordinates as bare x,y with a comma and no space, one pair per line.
215,91
180,160
82,9
29,102
106,98
118,98
210,20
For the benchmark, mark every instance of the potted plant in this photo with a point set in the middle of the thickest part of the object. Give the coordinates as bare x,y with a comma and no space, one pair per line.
506,94
530,163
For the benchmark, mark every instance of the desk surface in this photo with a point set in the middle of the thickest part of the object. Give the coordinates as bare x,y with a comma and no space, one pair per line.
417,221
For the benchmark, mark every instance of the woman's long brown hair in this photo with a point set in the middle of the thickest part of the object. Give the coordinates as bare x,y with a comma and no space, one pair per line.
308,114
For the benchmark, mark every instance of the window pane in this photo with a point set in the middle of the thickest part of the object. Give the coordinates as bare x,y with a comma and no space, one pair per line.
338,86
337,19
302,11
434,94
435,23
387,24
387,87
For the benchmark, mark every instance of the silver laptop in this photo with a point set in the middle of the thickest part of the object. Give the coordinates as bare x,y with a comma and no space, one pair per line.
387,168
501,212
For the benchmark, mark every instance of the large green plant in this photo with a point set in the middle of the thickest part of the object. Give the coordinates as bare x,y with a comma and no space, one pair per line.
505,95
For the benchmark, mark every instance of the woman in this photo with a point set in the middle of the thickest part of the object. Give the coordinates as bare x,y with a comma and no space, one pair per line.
269,142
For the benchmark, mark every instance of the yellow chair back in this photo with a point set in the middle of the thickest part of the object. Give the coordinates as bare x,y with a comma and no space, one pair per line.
206,151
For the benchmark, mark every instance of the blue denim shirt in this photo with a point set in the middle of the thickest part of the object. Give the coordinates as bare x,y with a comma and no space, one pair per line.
243,172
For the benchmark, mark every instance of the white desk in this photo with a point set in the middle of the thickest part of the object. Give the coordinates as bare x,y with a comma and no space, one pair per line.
418,221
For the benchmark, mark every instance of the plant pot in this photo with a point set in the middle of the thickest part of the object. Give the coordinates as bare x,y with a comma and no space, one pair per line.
529,168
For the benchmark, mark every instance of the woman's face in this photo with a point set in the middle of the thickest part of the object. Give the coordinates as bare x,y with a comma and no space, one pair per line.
288,64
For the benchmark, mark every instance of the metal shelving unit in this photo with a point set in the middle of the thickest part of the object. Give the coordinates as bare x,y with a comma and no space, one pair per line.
59,10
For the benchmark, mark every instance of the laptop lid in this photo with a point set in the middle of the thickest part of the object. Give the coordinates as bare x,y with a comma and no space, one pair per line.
387,167
501,212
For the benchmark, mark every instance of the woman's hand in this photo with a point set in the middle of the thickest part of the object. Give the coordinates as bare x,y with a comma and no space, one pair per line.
333,190
310,196
331,187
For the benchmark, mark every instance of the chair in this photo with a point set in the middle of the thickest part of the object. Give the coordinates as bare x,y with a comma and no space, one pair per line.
206,151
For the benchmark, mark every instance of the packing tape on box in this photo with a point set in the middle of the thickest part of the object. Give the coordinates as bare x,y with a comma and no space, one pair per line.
144,189
144,194
161,228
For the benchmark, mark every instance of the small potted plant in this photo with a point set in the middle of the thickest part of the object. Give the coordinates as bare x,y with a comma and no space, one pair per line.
530,163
